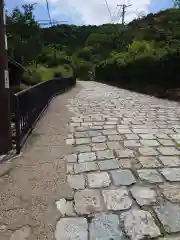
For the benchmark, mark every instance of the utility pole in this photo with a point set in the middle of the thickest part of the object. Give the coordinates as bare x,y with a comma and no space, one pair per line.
124,6
5,113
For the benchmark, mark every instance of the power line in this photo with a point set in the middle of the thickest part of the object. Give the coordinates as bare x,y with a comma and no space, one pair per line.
107,5
47,4
112,18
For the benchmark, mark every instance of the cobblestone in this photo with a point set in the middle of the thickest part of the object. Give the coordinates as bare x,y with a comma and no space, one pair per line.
86,157
143,195
114,145
134,228
99,146
99,139
108,164
72,158
148,151
150,143
122,177
117,199
149,162
98,180
106,227
170,161
110,132
168,151
88,201
171,174
76,181
169,215
85,167
114,137
106,154
82,141
72,228
125,153
82,148
167,142
150,175
132,143
171,192
128,153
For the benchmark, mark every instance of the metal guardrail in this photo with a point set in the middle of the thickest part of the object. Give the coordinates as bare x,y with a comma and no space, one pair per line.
28,105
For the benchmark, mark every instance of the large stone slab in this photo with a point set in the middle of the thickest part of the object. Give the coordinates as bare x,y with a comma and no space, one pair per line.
169,215
85,167
98,180
122,177
171,161
76,181
139,224
143,195
88,201
72,229
82,141
86,157
148,151
168,151
149,162
117,199
108,164
125,153
171,174
150,175
106,154
105,227
171,192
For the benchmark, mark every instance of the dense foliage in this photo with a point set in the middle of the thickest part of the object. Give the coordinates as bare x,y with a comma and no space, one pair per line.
144,52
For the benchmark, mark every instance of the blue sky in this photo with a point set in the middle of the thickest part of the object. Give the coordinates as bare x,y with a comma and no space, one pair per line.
89,11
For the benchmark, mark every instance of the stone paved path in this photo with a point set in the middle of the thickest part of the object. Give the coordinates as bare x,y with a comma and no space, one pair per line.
124,167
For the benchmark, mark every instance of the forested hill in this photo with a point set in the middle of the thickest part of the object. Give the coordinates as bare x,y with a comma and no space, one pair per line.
162,26
144,51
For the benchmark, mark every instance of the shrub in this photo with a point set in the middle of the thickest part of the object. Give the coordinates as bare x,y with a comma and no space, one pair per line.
144,67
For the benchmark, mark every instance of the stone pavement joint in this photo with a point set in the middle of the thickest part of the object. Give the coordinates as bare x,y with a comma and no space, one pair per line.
124,167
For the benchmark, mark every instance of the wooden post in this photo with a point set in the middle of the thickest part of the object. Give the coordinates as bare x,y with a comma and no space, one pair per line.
5,113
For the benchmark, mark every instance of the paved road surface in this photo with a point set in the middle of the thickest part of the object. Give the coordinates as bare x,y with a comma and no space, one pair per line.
124,168
122,157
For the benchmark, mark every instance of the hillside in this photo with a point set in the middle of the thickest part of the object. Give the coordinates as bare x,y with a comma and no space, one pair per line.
109,52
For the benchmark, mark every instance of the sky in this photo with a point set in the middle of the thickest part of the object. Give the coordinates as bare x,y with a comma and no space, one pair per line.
89,12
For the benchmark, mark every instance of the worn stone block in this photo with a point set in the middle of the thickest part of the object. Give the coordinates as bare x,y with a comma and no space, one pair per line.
143,195
106,227
169,215
76,181
86,157
150,175
171,174
72,228
108,164
139,224
98,180
122,177
88,201
117,199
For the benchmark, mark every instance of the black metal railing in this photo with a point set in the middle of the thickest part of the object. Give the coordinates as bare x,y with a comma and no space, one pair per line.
28,105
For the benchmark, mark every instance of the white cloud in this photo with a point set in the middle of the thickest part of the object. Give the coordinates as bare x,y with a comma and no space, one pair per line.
94,11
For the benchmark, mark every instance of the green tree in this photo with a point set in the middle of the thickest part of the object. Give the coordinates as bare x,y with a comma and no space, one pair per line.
24,34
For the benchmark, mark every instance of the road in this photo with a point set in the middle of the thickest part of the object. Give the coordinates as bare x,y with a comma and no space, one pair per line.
102,163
